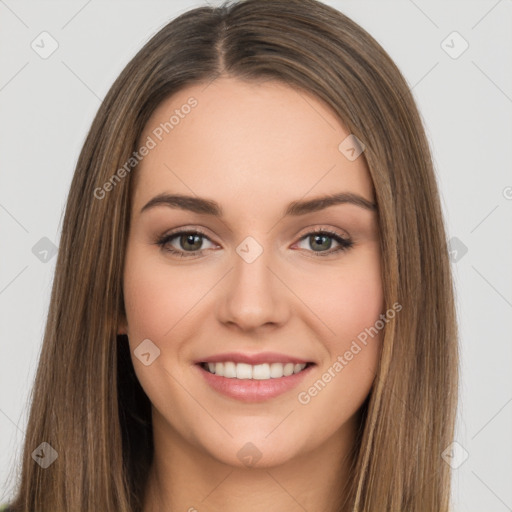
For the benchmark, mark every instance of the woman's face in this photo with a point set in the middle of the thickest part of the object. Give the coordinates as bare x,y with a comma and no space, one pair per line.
257,284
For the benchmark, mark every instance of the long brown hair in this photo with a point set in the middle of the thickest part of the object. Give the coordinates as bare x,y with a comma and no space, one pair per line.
87,403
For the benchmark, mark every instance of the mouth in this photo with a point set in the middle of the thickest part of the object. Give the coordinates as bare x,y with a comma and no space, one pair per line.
244,371
253,383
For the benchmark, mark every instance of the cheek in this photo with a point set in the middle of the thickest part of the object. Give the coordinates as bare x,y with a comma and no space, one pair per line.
351,307
156,295
159,304
351,299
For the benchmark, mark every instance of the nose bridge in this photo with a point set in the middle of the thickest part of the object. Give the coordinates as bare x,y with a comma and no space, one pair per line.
251,267
253,296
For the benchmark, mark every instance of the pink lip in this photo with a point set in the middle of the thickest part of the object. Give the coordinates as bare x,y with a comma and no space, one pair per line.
252,390
253,359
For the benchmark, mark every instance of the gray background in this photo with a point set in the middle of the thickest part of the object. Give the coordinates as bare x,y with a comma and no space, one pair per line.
48,104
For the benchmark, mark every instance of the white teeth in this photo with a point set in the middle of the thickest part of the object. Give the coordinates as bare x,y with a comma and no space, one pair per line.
264,371
219,369
261,371
243,371
288,369
229,370
278,370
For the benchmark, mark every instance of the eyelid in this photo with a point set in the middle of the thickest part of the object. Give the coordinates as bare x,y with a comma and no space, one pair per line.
324,228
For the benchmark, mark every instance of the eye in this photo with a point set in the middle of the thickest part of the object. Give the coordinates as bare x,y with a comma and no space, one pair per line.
188,242
322,239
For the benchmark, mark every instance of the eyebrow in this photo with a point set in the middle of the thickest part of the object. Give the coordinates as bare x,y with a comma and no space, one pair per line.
294,209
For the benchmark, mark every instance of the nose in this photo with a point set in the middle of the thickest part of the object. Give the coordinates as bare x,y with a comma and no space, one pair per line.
253,295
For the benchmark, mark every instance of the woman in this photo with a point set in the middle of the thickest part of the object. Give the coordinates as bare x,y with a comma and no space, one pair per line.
252,305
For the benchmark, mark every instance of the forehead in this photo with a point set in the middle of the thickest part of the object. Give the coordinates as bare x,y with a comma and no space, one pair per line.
258,142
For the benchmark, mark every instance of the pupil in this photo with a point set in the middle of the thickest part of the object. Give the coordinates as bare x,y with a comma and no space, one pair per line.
190,238
316,237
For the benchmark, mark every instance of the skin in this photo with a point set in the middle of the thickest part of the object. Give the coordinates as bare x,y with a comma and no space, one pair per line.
253,148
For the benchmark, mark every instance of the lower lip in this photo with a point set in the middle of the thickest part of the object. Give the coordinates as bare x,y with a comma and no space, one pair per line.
253,390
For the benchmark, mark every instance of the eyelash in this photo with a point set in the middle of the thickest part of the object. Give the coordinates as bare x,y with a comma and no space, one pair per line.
344,243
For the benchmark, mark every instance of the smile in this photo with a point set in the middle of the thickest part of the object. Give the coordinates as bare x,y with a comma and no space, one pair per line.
244,371
253,383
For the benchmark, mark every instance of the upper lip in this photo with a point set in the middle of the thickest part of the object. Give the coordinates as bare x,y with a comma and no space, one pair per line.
253,359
